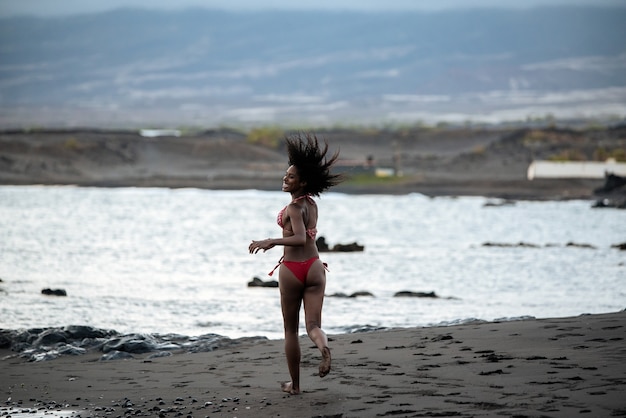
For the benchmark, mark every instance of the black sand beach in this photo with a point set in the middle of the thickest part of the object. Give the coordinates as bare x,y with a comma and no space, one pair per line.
558,367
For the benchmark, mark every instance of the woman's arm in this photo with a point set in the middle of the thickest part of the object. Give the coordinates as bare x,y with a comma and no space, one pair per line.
298,239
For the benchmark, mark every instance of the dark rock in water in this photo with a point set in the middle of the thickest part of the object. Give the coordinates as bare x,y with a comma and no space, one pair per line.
353,295
54,292
506,202
323,247
611,182
256,282
348,248
527,245
361,293
613,193
500,244
406,293
615,203
621,246
573,244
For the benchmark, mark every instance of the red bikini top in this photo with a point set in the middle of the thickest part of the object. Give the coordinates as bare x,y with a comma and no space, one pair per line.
279,219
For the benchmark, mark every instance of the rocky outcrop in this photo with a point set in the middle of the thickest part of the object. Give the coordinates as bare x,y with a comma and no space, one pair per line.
504,244
614,203
53,292
42,344
579,245
323,247
403,293
428,295
612,194
410,294
612,182
256,282
352,295
529,245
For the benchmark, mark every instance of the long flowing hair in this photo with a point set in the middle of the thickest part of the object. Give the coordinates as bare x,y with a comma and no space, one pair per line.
314,168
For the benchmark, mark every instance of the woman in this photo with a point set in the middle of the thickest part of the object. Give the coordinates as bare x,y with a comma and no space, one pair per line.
302,276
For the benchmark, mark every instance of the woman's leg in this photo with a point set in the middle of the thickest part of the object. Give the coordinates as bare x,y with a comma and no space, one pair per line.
313,301
290,299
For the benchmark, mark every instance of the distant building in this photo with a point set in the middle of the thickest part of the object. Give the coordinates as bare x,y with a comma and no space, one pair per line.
575,169
153,133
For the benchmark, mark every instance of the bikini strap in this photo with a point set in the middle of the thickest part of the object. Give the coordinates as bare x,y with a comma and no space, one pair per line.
271,273
277,265
304,196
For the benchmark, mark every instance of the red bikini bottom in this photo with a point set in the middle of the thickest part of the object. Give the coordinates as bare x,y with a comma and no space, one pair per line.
300,269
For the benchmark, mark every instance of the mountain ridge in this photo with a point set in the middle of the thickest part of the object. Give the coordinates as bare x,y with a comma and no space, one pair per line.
214,67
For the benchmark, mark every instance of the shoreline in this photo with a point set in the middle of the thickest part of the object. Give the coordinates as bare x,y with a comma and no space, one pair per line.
48,343
553,366
553,190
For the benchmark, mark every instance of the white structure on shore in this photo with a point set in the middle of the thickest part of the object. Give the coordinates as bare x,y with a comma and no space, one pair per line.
154,133
575,169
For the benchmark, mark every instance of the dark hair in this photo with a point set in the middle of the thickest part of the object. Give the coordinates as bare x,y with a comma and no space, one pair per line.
310,160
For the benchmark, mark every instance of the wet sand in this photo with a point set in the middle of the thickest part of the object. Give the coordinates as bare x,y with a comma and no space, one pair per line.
561,367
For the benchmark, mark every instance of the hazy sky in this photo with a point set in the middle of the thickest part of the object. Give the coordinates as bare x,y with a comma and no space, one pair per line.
68,7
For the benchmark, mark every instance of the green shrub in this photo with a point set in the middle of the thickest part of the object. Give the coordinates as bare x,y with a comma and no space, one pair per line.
534,136
71,144
569,155
619,154
602,154
267,136
479,150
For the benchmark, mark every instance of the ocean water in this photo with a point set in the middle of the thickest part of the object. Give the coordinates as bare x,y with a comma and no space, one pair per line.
157,260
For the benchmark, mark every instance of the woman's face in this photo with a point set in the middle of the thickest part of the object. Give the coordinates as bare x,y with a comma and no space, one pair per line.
291,181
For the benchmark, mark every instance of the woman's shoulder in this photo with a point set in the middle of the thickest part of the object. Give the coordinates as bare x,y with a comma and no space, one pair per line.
296,206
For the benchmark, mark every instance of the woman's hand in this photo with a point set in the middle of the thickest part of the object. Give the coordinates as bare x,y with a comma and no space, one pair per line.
264,245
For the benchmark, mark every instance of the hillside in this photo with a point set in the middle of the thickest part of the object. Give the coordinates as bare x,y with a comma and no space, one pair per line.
437,162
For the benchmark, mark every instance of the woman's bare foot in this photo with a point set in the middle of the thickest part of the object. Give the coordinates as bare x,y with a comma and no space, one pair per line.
288,387
325,364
